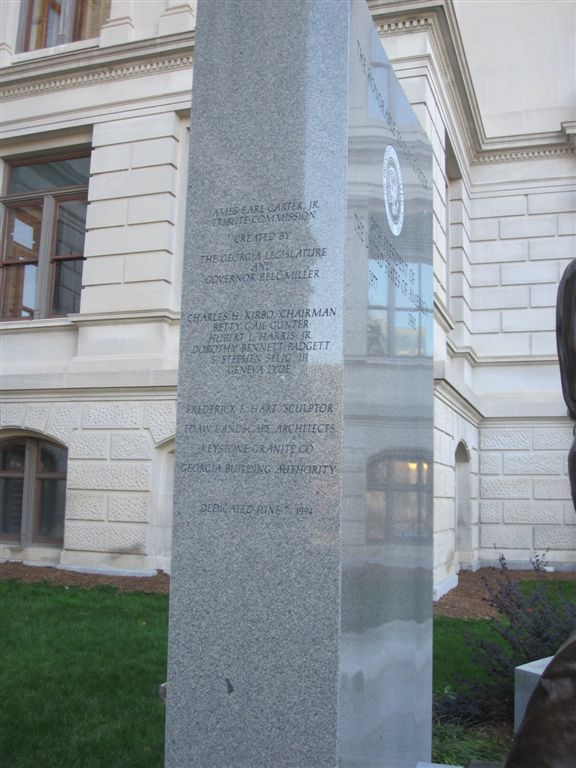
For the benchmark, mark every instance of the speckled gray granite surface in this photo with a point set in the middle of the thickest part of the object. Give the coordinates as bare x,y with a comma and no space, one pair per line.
300,615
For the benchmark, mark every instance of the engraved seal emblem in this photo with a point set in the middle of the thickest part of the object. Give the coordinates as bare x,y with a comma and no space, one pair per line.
393,190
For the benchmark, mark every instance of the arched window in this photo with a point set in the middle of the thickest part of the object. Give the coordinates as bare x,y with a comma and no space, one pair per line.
32,491
463,506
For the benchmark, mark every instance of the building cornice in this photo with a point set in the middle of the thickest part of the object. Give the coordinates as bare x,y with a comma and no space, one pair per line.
463,352
460,398
442,314
35,326
517,360
469,354
168,316
438,19
76,68
524,153
569,128
89,392
532,420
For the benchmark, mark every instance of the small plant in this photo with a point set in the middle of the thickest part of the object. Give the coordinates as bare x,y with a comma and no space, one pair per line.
536,619
539,561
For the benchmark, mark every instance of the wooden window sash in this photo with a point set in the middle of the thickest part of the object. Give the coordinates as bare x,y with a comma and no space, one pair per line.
47,258
43,277
60,193
32,477
69,24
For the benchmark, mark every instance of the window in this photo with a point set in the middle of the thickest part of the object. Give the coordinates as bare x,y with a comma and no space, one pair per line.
45,23
32,491
43,240
398,499
462,502
396,328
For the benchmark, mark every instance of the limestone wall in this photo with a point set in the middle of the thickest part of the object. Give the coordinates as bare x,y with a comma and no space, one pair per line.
118,497
525,503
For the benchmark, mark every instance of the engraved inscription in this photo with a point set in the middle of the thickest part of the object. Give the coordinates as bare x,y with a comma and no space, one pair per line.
260,341
272,212
276,439
258,243
386,113
390,264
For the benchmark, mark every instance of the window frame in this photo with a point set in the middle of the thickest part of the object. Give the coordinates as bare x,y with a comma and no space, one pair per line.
382,524
32,476
68,24
49,200
392,309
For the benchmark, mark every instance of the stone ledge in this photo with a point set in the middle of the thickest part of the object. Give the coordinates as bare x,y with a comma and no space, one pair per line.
526,679
444,586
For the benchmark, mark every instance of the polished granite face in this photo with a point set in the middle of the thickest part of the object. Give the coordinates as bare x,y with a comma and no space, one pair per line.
386,555
300,604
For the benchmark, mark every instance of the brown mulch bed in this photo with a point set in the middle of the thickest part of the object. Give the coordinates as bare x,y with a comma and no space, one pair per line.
160,582
466,601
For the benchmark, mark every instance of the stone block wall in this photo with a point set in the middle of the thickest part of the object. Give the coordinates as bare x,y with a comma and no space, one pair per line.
132,234
503,234
111,469
114,509
525,504
520,243
461,273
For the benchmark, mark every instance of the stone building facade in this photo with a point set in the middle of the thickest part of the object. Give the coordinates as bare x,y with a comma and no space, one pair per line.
95,132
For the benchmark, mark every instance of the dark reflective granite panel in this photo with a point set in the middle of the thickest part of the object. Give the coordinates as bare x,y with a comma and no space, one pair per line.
385,698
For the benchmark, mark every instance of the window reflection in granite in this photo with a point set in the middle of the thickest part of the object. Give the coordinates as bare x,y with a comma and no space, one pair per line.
396,327
398,492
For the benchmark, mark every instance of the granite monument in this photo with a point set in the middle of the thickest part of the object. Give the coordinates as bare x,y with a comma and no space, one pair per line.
300,608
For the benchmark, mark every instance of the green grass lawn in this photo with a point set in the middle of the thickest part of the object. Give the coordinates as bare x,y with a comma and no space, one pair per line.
451,654
554,589
453,662
80,670
451,743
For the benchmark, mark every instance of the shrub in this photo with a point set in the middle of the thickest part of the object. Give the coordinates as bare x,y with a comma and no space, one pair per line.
537,618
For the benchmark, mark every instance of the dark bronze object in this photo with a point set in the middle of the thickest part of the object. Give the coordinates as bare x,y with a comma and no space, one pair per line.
547,735
566,341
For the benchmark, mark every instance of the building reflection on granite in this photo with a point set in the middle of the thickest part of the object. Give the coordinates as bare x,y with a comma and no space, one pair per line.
387,478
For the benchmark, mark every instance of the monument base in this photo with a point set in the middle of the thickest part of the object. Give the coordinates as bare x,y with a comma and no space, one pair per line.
526,679
437,765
